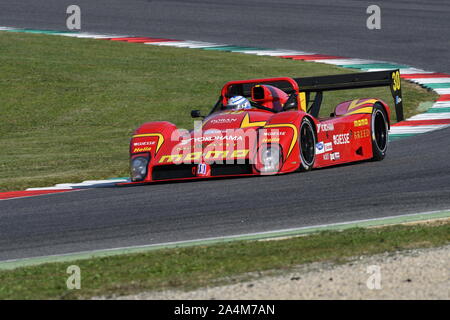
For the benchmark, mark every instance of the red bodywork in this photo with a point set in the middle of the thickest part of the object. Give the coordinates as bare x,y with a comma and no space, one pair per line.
230,142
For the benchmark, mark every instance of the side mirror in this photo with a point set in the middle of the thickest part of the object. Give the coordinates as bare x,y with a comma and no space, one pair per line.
196,114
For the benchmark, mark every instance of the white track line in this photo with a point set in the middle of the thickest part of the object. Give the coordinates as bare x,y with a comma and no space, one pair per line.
430,80
89,35
414,129
402,70
196,44
430,116
84,184
343,62
442,91
278,53
441,105
185,44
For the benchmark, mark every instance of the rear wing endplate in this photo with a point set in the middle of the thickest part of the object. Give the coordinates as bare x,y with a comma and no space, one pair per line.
389,78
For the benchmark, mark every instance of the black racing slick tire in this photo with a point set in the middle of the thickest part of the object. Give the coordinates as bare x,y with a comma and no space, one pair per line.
307,144
380,133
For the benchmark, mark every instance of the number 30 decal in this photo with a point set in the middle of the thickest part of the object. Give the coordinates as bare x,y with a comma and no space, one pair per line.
396,82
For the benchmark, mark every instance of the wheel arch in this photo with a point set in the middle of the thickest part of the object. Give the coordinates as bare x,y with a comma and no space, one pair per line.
386,109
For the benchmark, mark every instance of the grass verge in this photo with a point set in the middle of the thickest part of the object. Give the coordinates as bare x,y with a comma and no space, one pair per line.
69,106
192,267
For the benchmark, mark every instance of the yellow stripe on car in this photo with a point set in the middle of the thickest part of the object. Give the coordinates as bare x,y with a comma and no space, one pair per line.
362,110
354,104
293,127
247,124
159,135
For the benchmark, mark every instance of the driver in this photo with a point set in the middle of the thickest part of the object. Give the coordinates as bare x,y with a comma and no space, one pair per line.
238,103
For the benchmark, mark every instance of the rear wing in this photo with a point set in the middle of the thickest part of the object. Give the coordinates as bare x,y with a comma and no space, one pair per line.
389,78
306,86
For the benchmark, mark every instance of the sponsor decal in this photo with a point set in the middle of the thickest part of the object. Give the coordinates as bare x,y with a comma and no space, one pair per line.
335,156
342,138
223,120
328,146
212,138
275,133
320,148
158,135
361,122
171,158
271,140
144,143
326,156
210,155
201,169
142,149
295,133
325,127
361,134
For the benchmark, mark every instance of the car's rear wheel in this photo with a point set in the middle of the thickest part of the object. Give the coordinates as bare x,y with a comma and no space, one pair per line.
307,144
380,133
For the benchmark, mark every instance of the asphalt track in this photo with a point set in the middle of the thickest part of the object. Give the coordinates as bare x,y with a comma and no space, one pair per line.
414,177
413,32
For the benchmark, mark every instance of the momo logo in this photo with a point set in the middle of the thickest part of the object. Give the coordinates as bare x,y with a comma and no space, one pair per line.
207,156
343,138
361,122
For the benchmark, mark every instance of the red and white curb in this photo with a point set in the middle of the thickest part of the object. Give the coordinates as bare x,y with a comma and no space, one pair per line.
62,187
437,117
84,184
27,193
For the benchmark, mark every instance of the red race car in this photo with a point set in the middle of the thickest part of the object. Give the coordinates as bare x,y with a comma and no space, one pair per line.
269,126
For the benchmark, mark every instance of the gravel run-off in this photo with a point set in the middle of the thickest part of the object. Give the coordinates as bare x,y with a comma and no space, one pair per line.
411,274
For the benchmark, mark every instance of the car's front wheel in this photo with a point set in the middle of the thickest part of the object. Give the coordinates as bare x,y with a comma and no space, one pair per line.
307,144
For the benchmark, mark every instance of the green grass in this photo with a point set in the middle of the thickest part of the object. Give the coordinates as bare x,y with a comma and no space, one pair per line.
68,106
191,267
